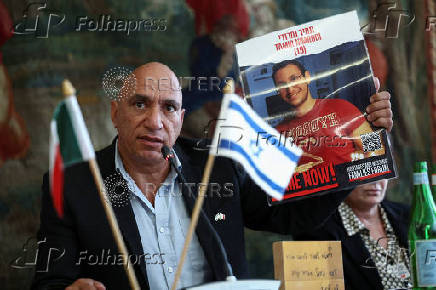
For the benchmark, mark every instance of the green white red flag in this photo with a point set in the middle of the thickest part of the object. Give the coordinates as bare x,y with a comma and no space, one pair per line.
69,144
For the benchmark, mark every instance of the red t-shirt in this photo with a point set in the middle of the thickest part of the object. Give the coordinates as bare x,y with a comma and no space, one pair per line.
324,133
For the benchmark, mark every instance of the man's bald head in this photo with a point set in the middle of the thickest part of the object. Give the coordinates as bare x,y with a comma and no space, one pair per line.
152,67
156,76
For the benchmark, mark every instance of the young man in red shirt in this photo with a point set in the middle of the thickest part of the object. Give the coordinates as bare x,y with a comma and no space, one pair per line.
328,130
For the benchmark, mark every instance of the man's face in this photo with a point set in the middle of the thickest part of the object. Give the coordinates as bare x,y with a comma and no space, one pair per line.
368,195
292,85
151,116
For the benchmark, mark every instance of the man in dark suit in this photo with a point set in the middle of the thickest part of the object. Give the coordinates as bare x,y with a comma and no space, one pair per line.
153,222
373,232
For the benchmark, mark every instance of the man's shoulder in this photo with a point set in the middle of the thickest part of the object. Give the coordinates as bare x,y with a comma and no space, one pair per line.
196,152
190,144
193,148
336,102
105,151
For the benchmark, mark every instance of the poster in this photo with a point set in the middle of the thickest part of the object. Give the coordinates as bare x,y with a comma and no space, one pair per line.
313,82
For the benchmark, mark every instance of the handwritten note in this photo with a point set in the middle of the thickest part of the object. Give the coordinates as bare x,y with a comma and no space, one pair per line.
315,265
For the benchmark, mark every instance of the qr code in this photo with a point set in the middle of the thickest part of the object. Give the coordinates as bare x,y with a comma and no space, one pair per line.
371,142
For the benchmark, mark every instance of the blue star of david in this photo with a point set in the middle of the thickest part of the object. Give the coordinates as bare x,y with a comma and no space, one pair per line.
255,148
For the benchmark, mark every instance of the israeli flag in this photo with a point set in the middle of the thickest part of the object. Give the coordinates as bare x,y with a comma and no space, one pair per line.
267,156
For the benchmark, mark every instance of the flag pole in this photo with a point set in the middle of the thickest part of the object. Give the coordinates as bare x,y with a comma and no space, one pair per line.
194,218
68,90
228,89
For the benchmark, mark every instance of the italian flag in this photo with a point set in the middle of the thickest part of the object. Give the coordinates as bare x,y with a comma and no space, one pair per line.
69,144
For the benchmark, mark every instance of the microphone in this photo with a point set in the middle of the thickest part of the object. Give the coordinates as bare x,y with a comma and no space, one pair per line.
168,155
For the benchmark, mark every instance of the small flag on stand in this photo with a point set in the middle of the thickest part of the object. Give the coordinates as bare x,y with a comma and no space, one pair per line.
269,158
242,135
69,142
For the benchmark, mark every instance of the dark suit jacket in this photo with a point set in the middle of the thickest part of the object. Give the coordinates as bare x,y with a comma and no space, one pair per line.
85,228
359,269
